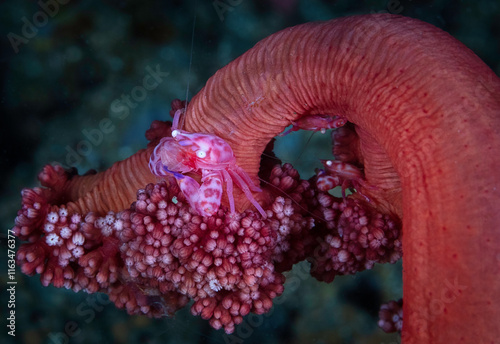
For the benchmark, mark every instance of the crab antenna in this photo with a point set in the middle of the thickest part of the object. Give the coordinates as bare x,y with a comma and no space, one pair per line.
189,71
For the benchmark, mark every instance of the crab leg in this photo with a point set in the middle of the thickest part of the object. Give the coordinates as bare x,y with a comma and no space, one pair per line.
244,187
205,199
229,190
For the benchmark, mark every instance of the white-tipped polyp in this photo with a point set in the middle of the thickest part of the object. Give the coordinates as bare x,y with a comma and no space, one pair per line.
175,133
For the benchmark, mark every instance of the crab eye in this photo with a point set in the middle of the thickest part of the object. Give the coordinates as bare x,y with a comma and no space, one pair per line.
201,154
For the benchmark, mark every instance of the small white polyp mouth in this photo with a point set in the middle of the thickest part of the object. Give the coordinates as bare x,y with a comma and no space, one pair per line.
175,133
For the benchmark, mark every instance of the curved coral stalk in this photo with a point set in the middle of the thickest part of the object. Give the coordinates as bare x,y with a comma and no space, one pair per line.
112,190
427,113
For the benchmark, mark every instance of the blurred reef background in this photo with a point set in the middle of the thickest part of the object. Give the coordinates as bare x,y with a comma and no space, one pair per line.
77,64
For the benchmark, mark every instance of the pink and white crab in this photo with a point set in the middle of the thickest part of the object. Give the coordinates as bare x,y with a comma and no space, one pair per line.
206,153
315,123
339,173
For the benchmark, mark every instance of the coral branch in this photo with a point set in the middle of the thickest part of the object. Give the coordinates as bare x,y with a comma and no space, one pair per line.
157,255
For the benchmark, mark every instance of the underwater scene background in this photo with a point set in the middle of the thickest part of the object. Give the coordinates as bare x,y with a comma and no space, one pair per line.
65,71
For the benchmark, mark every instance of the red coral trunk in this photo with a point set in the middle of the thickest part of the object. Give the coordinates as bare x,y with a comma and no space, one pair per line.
427,112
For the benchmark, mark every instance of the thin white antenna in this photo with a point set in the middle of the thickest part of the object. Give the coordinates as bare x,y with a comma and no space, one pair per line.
304,147
189,72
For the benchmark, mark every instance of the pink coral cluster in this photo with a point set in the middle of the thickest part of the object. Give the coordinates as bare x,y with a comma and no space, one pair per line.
222,262
349,235
75,251
391,316
157,255
65,248
363,237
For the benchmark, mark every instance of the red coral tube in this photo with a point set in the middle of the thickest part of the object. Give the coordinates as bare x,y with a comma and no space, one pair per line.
427,113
